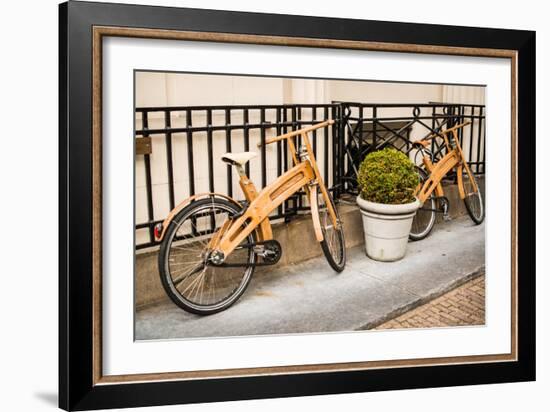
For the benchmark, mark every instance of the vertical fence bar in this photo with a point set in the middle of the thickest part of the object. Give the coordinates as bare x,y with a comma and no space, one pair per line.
285,163
433,128
452,122
147,160
470,159
293,198
190,162
299,124
210,149
335,156
359,127
480,140
169,160
326,146
456,113
246,136
228,150
279,154
478,148
314,120
293,118
262,152
460,111
484,139
285,147
374,124
299,197
344,133
341,128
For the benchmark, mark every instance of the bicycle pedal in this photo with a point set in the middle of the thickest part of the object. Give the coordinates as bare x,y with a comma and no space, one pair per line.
270,251
447,218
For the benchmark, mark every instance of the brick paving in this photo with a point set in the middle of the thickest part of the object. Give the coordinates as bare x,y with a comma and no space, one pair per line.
464,305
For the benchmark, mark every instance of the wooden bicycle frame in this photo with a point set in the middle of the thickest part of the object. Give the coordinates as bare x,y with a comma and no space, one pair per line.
304,174
453,158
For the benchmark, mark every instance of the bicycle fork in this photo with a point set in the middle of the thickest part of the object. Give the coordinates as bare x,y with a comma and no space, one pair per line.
441,199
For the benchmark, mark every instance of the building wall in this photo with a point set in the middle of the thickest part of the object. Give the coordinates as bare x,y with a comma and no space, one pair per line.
177,89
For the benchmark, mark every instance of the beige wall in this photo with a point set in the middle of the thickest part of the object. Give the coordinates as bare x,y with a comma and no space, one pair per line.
176,89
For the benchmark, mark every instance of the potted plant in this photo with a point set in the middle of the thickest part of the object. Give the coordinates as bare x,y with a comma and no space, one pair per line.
387,180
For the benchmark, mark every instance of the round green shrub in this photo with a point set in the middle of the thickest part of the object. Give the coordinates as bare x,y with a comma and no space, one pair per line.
387,176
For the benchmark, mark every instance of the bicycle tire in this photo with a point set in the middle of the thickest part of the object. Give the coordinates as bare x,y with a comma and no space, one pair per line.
199,210
473,200
424,219
333,243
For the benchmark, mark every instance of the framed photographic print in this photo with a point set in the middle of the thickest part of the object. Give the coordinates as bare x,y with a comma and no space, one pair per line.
256,205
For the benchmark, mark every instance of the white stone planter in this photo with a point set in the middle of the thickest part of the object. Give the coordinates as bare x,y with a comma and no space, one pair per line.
386,228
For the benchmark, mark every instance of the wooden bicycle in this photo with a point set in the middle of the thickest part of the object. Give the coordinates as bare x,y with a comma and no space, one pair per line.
211,243
430,182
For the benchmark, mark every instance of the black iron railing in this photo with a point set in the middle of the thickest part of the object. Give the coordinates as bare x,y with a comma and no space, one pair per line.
226,129
178,149
368,127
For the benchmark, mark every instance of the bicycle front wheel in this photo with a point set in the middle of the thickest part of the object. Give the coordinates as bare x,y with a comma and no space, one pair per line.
424,219
189,278
473,199
333,243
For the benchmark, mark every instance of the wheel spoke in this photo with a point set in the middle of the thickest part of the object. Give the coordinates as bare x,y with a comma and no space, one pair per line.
201,286
185,276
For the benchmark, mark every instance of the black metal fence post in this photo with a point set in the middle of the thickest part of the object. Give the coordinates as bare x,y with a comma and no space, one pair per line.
190,162
169,159
262,147
228,150
479,142
339,130
149,187
374,126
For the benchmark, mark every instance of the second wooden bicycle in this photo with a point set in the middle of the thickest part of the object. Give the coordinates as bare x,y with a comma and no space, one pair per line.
211,243
430,190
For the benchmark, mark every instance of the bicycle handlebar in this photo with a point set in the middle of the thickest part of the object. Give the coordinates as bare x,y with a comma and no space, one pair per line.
297,132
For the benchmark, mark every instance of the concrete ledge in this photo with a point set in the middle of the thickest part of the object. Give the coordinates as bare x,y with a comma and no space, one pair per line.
297,239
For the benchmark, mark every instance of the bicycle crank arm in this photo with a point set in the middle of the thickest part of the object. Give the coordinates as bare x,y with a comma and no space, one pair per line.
269,250
241,265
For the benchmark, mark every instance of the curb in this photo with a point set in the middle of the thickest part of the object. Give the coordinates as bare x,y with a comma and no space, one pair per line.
423,299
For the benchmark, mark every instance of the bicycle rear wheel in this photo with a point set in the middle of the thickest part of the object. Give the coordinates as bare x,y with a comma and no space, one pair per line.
189,278
333,243
473,199
424,219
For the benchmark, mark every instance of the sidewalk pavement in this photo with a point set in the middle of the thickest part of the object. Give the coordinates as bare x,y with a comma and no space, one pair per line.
462,306
310,297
